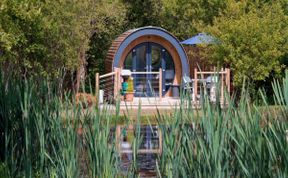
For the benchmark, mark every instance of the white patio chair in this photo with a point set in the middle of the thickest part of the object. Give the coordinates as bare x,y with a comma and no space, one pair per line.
187,85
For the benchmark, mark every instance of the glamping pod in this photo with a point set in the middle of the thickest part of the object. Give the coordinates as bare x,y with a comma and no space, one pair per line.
146,51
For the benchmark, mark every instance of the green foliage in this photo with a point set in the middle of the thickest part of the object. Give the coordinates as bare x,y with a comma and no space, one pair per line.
253,39
107,24
239,141
143,13
182,17
40,37
43,135
22,27
3,170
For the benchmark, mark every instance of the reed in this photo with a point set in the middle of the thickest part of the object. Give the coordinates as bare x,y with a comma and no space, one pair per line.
233,142
44,135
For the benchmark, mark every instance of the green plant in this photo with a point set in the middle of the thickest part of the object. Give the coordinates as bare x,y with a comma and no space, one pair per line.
43,135
253,40
237,141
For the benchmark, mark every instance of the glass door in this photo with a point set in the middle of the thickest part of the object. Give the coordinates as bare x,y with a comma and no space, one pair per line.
139,64
155,59
150,57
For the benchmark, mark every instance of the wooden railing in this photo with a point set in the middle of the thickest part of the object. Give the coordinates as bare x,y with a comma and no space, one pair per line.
111,83
224,76
159,73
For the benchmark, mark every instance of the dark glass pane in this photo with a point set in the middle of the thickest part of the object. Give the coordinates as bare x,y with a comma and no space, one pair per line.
170,71
141,58
156,64
155,58
141,66
128,63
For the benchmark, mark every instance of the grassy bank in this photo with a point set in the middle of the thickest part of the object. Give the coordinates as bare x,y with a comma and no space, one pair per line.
40,137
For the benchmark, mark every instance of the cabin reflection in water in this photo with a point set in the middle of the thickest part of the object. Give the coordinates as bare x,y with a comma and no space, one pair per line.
149,146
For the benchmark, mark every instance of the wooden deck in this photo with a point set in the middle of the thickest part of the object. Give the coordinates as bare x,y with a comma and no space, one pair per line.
149,106
153,102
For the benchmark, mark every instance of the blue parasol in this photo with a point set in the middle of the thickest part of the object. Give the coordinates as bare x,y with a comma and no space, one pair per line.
201,38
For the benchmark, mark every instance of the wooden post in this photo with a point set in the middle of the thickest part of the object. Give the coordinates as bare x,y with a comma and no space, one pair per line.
160,141
222,87
116,79
97,88
160,84
118,137
195,90
119,79
228,81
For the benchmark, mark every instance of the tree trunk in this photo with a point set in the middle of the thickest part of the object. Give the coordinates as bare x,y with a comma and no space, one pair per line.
81,71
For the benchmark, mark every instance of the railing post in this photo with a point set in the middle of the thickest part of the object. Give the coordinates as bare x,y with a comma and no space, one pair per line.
119,81
118,137
160,84
97,88
228,80
222,86
160,141
195,91
116,79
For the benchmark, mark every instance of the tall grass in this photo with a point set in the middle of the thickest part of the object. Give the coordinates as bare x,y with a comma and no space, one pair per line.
43,135
246,140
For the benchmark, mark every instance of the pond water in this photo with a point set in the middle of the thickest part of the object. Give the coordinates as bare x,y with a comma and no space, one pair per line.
149,141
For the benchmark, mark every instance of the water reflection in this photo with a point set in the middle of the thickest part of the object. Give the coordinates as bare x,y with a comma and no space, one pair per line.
148,140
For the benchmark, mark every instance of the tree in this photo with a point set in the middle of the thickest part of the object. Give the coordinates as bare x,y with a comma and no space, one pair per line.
253,39
22,36
182,17
38,38
108,23
143,13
